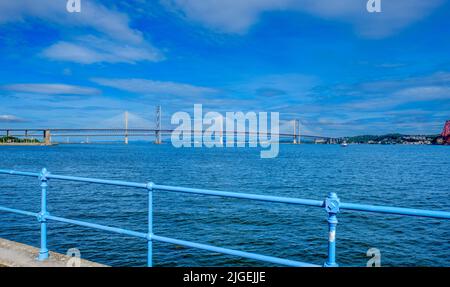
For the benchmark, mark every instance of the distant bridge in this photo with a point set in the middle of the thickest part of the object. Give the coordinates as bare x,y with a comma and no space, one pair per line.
48,135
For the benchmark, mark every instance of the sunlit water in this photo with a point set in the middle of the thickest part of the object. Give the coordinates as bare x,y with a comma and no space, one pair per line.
407,176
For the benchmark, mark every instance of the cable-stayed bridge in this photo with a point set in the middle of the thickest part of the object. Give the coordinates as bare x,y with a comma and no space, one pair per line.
63,135
91,135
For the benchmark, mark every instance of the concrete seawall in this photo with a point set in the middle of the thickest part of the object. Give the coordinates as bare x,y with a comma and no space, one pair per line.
14,254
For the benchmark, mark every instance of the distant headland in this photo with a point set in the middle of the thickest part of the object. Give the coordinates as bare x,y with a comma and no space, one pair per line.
15,141
396,138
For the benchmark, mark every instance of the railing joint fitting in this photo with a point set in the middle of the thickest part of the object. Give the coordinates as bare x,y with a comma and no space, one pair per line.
43,176
332,203
42,216
150,186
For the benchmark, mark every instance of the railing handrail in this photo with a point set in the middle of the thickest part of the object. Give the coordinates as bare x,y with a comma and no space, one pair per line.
276,199
331,204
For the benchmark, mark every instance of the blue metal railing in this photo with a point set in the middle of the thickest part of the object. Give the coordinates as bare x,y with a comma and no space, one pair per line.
331,204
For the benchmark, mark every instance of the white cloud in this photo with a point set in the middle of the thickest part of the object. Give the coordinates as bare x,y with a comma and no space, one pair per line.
392,93
95,16
10,119
281,84
145,86
91,49
51,89
230,16
115,34
427,93
403,96
237,16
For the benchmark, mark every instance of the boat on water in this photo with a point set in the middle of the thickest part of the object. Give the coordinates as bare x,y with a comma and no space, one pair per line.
344,144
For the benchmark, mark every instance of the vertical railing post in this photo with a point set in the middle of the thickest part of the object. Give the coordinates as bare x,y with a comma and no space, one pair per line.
43,252
150,225
332,207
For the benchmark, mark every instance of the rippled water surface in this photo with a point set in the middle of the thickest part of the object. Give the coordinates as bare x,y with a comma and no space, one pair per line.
407,176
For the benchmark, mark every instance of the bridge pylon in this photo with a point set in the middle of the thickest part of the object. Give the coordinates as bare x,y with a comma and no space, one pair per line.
158,126
126,127
296,137
299,138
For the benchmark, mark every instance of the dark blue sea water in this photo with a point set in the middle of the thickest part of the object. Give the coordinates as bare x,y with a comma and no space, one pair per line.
407,176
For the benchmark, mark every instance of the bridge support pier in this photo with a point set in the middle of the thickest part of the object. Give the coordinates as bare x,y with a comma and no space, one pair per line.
47,137
157,137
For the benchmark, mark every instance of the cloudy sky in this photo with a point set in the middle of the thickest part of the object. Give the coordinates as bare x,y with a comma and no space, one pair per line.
337,68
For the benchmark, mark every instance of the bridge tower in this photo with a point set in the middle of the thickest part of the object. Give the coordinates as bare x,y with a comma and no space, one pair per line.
126,127
296,139
158,126
299,139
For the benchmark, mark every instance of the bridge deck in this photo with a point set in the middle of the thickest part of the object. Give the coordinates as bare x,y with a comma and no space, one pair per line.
136,132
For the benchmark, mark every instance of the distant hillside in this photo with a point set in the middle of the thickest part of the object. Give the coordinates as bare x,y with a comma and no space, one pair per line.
391,139
7,139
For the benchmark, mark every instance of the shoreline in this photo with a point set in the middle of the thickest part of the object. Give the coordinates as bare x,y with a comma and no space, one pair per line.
27,144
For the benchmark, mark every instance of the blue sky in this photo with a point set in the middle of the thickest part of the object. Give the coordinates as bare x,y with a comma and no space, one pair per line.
337,68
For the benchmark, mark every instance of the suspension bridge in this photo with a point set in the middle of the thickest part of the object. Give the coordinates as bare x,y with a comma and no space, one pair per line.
49,136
